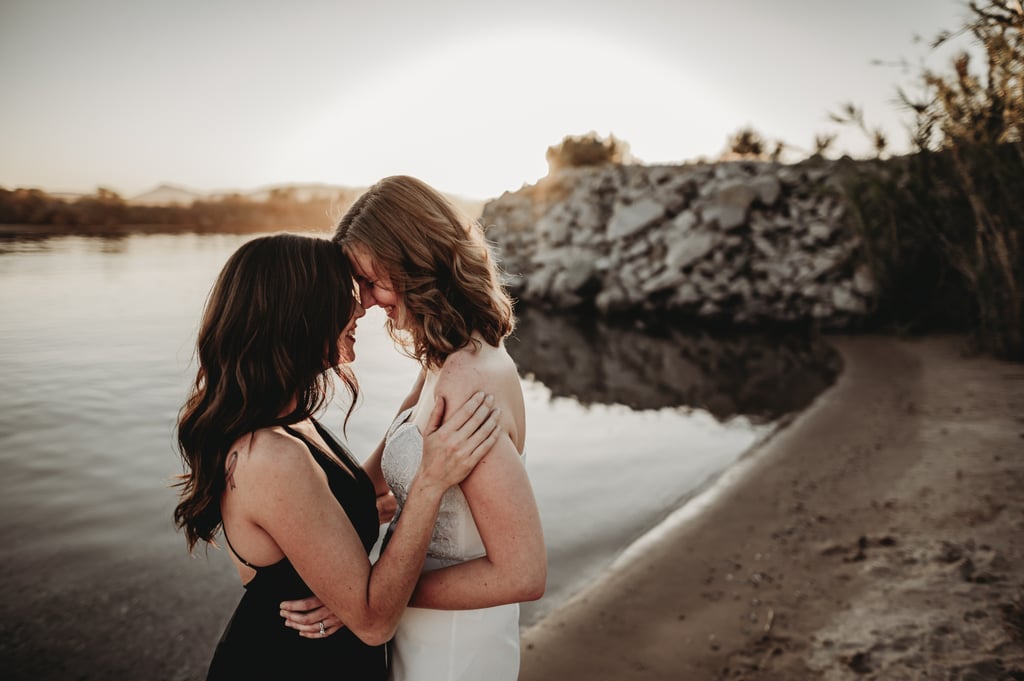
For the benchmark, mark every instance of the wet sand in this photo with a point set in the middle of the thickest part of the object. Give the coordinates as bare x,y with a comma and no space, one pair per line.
880,535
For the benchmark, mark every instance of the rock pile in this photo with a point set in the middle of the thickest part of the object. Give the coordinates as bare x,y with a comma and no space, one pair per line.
743,242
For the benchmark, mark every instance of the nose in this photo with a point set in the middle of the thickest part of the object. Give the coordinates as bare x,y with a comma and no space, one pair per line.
366,298
359,310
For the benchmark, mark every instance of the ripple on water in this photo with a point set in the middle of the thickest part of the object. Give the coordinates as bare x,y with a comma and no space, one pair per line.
96,357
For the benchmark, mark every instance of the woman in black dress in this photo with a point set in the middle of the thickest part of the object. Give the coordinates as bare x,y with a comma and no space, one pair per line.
299,514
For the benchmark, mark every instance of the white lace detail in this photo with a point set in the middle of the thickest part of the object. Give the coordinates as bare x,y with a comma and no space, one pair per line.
455,538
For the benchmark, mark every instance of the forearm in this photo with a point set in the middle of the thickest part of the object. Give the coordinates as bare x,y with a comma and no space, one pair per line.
479,583
370,599
394,576
373,470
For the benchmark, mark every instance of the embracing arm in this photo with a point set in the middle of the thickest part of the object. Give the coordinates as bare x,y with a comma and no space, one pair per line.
317,537
505,511
515,567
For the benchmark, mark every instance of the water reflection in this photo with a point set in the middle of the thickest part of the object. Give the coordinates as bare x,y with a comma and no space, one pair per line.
113,238
761,376
95,359
17,239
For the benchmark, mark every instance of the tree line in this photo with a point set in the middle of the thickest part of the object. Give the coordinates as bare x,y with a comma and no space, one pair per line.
283,208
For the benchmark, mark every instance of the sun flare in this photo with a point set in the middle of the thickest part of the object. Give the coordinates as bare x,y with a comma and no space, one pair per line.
495,102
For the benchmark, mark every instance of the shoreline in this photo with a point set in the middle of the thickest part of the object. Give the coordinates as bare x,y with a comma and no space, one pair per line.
879,535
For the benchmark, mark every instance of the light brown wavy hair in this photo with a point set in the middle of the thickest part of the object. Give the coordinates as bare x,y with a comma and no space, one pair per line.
437,260
269,335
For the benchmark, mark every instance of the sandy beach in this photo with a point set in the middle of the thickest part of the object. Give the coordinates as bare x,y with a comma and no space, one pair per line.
880,535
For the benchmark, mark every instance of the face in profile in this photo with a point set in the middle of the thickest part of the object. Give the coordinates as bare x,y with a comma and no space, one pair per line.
375,287
347,340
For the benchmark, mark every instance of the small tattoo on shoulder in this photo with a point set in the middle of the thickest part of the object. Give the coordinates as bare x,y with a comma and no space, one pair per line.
232,461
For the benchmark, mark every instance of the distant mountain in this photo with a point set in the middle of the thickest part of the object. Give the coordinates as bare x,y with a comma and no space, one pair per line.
176,195
69,197
300,192
166,195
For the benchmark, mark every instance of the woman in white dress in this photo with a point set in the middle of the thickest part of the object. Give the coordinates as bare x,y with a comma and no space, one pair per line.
429,268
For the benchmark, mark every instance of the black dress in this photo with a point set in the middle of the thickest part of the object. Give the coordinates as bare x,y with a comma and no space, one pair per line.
257,645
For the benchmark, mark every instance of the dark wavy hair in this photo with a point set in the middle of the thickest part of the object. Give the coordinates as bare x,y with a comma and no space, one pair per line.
266,347
437,260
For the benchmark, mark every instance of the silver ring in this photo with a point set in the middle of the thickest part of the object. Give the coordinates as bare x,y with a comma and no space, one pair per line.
323,632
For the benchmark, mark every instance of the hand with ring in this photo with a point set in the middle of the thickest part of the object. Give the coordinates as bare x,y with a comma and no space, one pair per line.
310,617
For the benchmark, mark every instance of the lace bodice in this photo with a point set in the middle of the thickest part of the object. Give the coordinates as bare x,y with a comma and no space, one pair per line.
455,538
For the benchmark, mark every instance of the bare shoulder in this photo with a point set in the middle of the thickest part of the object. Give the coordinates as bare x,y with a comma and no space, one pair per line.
273,452
490,369
480,367
264,466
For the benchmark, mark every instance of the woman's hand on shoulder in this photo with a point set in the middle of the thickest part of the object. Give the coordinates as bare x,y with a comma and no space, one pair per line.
451,450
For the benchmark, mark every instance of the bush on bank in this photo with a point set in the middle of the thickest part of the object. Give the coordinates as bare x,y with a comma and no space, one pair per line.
943,228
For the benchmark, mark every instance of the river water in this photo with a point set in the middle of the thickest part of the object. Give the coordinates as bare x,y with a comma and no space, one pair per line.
96,338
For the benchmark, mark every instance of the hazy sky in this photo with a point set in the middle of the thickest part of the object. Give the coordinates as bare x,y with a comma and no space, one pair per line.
466,94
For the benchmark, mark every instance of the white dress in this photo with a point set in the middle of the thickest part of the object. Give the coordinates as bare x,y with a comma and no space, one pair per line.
446,645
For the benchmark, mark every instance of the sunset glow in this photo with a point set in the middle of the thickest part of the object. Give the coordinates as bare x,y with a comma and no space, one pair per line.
478,115
468,96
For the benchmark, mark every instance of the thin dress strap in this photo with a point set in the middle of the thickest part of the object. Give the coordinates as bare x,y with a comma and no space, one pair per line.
342,457
224,529
339,448
345,460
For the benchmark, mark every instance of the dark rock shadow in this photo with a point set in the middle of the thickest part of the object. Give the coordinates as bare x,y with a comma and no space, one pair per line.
759,375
